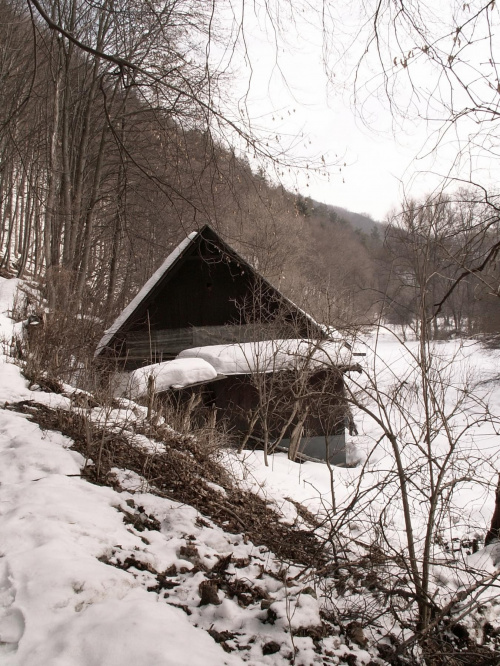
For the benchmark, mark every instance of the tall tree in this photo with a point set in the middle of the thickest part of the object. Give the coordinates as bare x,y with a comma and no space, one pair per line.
437,66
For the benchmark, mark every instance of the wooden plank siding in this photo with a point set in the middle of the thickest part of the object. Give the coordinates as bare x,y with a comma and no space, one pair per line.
205,294
161,345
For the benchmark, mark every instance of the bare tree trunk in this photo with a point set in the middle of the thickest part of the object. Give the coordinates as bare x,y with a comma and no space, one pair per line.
66,179
53,172
68,220
89,221
37,263
251,425
20,215
82,156
82,159
493,533
7,224
296,436
117,235
27,224
285,427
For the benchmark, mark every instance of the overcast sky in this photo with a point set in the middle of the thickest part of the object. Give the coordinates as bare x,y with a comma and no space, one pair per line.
290,95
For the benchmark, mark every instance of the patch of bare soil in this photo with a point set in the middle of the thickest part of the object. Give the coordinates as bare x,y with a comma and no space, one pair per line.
182,471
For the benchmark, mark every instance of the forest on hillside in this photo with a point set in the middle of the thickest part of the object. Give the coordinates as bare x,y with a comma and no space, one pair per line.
116,141
105,167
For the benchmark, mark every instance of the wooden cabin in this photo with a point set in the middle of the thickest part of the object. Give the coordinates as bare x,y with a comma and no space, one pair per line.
207,322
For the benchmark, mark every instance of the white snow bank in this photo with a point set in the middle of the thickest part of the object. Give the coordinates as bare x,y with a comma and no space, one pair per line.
8,289
60,604
486,560
129,632
270,355
170,374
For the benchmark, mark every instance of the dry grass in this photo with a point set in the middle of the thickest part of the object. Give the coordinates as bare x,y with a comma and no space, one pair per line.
60,348
182,471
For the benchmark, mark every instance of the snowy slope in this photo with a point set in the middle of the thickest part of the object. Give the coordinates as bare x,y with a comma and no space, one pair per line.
59,604
90,576
82,585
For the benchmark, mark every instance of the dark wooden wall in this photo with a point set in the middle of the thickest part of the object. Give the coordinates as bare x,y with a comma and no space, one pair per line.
237,397
208,298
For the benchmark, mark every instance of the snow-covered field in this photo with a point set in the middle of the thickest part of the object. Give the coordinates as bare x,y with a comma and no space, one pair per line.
476,427
67,598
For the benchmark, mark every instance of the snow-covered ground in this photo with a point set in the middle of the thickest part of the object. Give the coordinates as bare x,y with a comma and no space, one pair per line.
476,427
70,594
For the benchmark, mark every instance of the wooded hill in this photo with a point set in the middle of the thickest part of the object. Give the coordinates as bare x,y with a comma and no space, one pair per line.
103,170
100,179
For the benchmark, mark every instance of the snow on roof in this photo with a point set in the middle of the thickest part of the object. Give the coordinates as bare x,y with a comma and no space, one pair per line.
178,373
143,293
270,355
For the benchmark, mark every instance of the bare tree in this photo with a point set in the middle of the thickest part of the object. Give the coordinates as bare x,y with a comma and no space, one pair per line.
437,65
425,408
428,244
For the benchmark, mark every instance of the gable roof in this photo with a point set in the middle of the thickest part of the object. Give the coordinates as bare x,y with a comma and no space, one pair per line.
160,276
143,294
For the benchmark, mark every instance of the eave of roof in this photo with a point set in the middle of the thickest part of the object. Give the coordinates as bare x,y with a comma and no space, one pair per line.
122,318
167,265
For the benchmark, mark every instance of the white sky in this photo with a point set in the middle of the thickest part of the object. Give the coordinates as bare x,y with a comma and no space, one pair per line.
294,100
